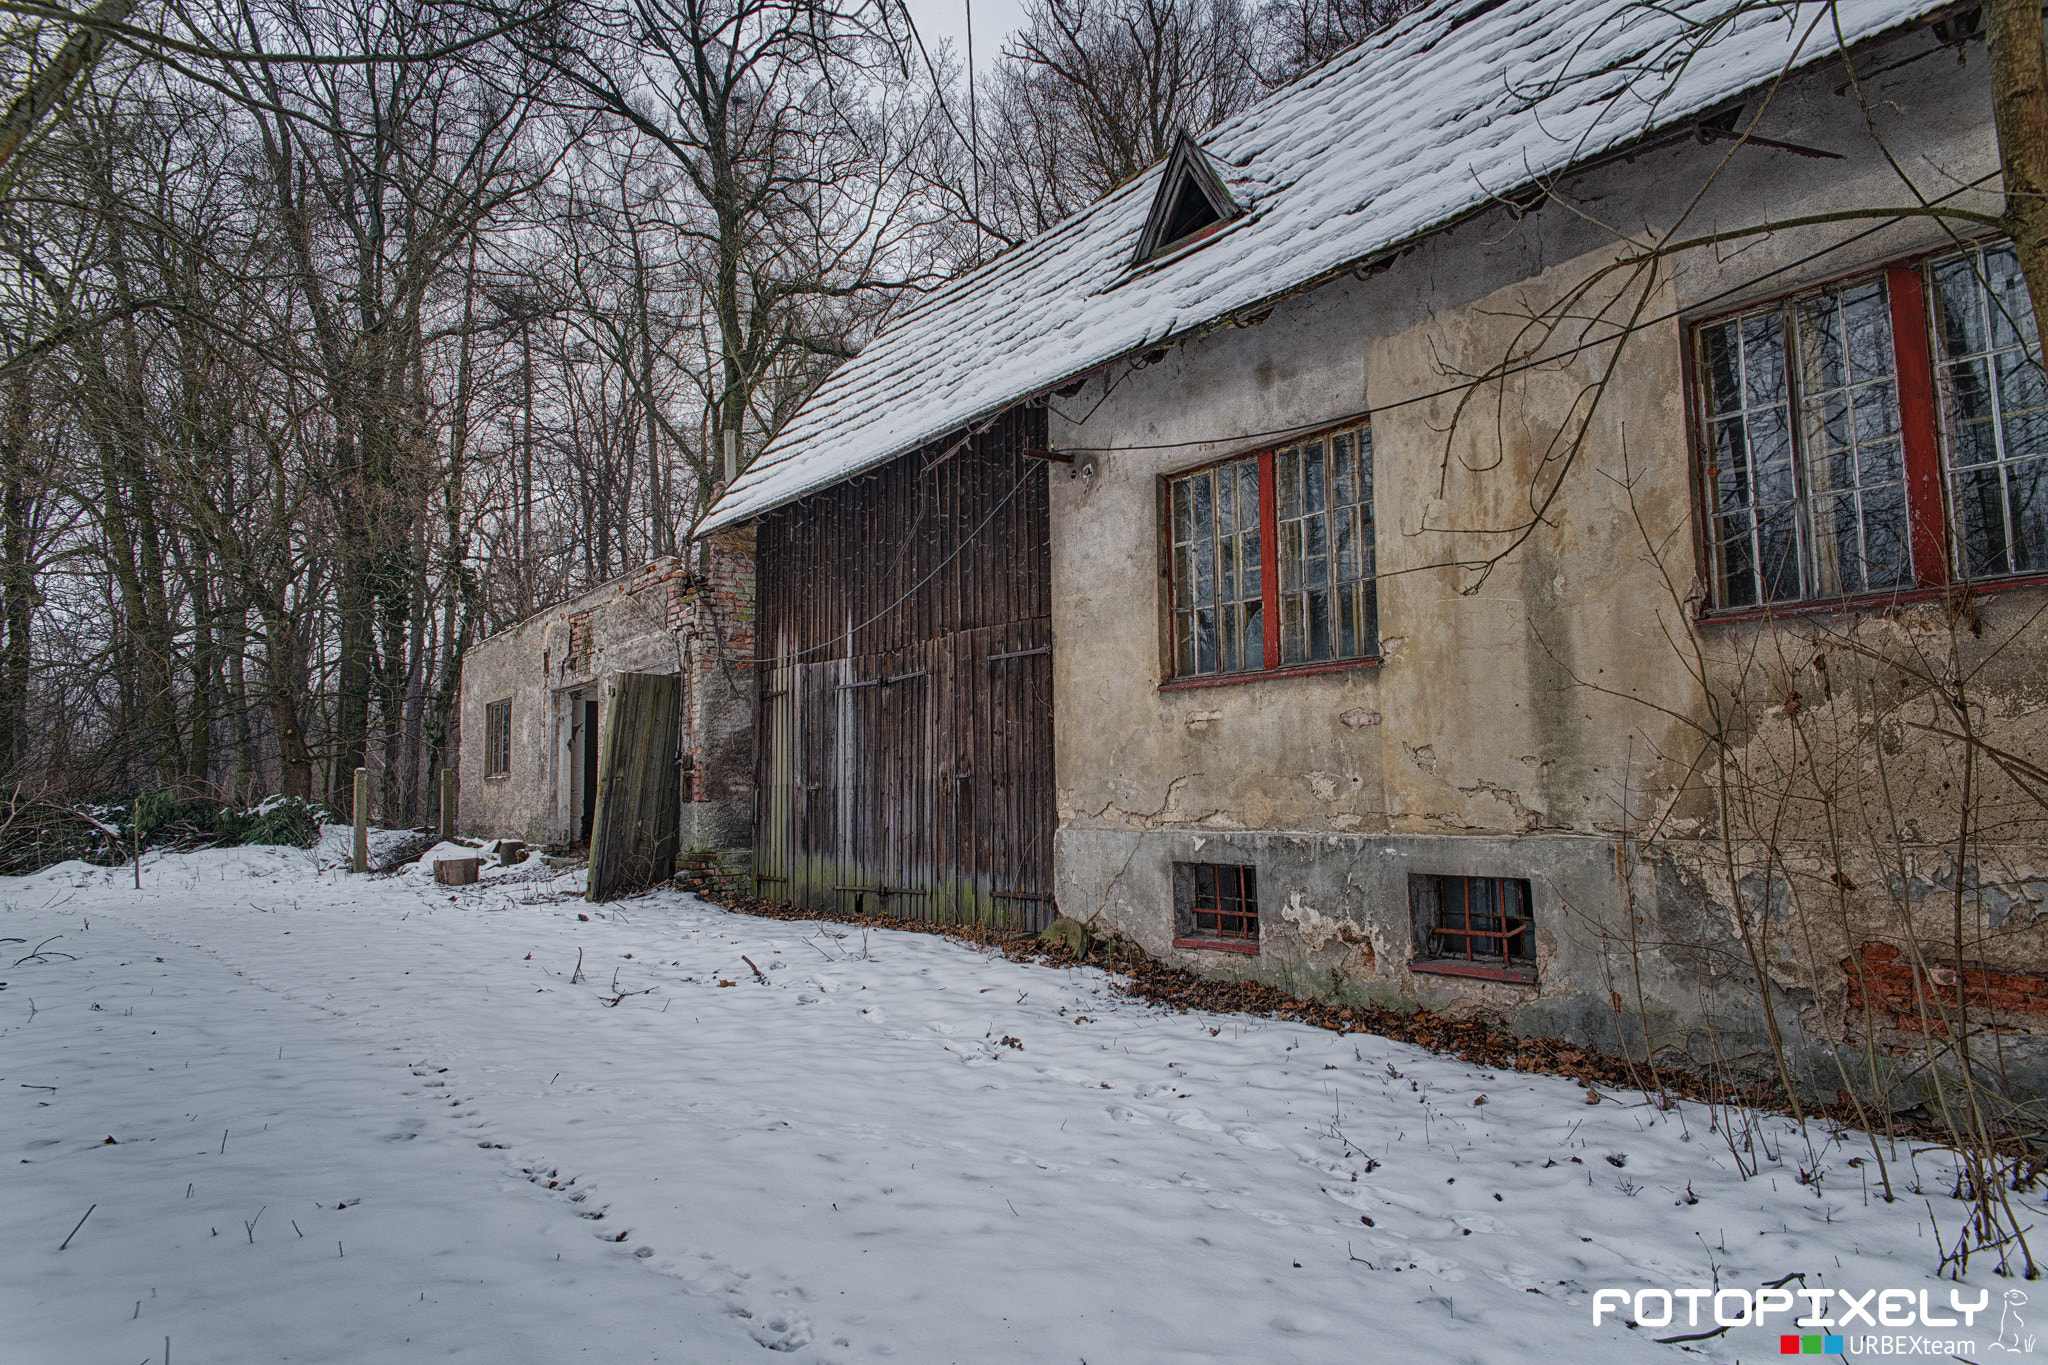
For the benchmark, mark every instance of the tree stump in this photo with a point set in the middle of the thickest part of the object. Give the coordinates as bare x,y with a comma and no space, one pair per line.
455,871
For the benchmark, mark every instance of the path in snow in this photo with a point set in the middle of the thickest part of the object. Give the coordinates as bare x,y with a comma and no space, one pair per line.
451,1152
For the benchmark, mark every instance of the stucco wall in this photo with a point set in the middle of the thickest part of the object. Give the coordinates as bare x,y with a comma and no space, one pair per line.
1539,716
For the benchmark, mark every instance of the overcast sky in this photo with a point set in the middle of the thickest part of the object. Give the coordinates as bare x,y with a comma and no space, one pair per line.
994,20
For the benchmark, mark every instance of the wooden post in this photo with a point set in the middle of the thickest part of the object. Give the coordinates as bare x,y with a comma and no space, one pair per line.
359,859
447,830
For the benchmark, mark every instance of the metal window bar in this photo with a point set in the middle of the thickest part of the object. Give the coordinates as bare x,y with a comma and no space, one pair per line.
1482,920
1226,901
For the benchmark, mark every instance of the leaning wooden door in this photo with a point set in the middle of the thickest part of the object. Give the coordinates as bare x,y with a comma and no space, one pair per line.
637,828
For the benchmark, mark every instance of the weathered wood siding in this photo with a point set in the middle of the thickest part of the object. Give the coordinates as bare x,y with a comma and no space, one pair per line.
905,649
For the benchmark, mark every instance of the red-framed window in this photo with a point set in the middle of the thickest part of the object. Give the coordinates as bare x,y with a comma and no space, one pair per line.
1271,560
1216,905
1876,435
1473,925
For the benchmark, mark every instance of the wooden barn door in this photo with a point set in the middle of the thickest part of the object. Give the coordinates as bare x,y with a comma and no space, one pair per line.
905,654
637,829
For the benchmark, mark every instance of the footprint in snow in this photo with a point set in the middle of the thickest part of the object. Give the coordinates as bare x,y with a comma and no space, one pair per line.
1195,1119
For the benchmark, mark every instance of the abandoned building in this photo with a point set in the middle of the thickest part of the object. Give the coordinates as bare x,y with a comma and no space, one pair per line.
1435,540
631,706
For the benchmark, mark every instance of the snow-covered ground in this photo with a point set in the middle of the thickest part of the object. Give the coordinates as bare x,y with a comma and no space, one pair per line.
373,1119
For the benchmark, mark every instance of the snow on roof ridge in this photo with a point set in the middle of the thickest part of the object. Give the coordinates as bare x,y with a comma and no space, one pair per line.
1343,163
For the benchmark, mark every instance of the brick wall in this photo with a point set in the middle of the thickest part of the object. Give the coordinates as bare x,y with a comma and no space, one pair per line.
715,611
1884,981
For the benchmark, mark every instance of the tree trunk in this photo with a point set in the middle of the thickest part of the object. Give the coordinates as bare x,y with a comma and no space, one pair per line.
2019,104
17,577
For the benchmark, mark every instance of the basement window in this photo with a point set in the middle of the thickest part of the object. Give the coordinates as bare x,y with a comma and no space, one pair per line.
1473,926
1306,509
1216,906
498,738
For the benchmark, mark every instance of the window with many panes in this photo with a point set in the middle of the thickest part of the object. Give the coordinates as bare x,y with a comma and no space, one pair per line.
497,738
1271,560
1216,904
1883,433
1473,926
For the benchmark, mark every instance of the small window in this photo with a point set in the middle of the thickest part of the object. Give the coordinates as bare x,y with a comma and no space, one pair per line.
498,738
1216,905
1473,926
1308,508
1190,202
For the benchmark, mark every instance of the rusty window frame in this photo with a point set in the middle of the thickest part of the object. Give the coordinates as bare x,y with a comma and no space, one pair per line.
498,738
1486,924
1300,595
1216,905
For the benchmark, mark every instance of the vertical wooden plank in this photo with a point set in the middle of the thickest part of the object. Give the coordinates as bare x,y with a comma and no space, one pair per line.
939,785
359,846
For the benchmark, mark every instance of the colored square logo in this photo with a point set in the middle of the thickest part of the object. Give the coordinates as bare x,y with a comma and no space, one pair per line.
1809,1346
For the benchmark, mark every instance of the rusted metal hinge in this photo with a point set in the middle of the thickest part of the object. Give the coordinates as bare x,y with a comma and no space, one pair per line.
1050,456
1020,654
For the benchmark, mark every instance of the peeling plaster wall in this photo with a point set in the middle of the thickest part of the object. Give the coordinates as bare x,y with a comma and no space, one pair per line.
1531,721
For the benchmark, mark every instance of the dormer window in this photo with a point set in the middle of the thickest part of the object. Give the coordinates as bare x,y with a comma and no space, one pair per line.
1190,203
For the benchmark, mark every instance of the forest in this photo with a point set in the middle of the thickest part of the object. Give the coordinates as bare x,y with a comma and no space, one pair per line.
336,336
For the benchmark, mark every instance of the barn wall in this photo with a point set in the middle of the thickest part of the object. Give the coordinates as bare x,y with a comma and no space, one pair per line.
904,651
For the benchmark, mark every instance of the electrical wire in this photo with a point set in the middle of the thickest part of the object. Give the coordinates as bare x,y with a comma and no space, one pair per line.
1318,425
1031,467
1538,361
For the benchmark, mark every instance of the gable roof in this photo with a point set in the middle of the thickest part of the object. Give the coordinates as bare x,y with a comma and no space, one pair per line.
1460,102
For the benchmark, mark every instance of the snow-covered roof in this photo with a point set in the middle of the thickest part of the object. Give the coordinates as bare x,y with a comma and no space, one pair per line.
1459,103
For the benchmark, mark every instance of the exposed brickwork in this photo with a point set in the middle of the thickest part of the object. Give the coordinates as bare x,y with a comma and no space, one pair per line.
579,639
712,608
1883,981
727,600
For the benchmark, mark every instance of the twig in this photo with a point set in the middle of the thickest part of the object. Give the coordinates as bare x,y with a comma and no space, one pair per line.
37,953
618,995
576,977
249,1225
757,971
75,1227
1695,1336
223,1142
